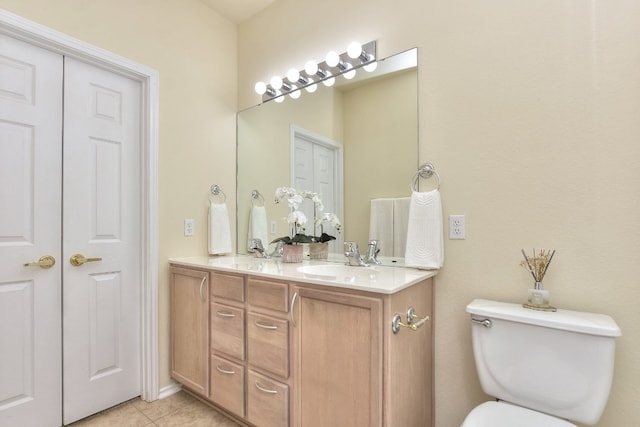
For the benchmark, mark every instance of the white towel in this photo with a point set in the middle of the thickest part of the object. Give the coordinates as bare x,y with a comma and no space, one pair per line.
219,229
425,241
258,226
400,225
381,225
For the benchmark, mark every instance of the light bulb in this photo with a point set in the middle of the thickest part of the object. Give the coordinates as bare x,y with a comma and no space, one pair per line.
293,75
311,87
370,67
276,82
332,59
354,50
279,98
330,80
261,88
295,94
311,68
351,73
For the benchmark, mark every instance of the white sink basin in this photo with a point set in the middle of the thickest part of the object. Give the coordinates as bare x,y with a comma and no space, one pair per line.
338,272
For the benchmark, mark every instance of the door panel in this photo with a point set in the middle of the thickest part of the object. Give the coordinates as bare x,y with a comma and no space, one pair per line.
30,227
101,298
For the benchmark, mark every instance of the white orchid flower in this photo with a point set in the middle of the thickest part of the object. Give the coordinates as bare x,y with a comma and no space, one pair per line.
297,217
295,201
330,218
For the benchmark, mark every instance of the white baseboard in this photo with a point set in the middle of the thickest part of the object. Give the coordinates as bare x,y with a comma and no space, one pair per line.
169,390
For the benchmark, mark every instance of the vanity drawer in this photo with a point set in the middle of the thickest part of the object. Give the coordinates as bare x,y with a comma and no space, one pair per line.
227,385
268,294
268,344
267,401
227,330
227,286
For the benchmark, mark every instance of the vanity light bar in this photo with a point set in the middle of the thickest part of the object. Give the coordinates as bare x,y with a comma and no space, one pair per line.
335,65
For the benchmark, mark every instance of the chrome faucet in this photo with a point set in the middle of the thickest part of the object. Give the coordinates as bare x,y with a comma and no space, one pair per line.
256,247
372,253
277,251
353,255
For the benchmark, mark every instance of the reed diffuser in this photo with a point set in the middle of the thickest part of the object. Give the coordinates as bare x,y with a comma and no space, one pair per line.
537,264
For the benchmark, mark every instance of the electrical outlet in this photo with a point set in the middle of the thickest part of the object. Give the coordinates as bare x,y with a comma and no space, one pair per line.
457,227
273,227
189,226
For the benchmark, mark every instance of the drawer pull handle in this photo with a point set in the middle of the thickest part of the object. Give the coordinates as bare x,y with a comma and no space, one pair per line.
225,371
202,296
293,306
265,390
225,314
259,324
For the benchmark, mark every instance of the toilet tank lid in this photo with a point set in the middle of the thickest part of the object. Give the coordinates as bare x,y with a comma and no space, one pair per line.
575,321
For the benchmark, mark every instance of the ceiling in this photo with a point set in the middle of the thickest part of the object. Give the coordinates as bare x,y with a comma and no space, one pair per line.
237,10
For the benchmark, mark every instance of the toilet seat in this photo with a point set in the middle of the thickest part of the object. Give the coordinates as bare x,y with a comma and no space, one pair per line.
503,414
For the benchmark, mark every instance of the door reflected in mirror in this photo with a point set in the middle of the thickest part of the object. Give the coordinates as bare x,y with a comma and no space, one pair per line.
371,125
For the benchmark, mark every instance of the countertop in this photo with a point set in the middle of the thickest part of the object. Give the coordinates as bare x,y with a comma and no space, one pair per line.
378,279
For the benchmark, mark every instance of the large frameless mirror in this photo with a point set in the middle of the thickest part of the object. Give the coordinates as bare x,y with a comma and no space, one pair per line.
352,142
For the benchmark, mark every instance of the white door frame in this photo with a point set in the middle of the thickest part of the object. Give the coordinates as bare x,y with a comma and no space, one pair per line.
39,35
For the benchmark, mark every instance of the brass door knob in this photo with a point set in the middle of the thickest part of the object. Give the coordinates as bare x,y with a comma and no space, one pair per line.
79,259
46,261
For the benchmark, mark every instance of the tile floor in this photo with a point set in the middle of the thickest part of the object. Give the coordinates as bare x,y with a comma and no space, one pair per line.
177,410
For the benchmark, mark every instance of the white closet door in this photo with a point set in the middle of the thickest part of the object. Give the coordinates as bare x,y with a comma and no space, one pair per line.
102,199
30,221
315,167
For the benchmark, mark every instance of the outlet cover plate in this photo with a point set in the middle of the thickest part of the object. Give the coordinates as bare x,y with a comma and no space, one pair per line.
457,227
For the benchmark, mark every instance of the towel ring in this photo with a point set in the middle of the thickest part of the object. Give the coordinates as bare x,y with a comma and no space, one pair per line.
215,191
255,195
426,171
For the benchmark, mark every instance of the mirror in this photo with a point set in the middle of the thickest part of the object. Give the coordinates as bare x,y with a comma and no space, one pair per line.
371,121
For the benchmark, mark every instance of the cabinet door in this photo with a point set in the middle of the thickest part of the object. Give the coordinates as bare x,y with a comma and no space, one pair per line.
189,329
337,357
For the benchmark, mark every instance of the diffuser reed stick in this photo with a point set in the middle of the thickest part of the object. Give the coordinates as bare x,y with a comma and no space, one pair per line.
538,263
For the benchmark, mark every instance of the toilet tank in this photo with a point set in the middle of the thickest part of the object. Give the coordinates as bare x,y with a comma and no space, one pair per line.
559,363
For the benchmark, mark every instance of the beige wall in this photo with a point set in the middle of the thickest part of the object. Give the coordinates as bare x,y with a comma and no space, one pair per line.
194,50
529,111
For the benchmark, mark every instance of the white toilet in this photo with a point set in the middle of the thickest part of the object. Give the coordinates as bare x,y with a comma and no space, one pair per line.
543,367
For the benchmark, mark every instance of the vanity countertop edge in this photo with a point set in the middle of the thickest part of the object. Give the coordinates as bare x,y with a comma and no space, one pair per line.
377,279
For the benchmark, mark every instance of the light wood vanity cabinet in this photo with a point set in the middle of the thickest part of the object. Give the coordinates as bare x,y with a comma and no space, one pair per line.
292,354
